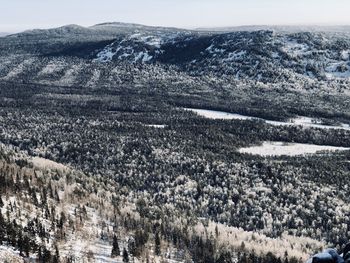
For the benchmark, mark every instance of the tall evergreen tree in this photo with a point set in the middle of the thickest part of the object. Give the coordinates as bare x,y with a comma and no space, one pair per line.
157,244
115,247
125,256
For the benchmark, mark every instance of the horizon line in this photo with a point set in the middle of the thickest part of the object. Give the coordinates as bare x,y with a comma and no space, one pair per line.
42,27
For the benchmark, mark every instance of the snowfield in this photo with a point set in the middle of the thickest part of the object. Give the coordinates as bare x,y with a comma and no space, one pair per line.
301,120
289,149
219,115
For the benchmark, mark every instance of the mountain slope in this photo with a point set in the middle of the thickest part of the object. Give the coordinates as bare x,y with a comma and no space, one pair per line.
227,70
258,55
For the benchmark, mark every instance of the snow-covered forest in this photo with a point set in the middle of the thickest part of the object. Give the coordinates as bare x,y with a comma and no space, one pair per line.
127,143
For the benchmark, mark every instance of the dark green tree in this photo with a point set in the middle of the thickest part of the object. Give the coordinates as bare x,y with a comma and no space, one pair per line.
157,244
115,247
125,256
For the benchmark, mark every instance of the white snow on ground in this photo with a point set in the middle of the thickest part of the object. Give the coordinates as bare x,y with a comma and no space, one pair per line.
8,255
294,48
99,250
154,41
6,61
94,78
219,115
18,69
52,67
235,55
48,164
301,120
336,66
107,54
87,241
335,75
311,122
289,149
337,69
70,75
213,50
156,126
143,56
345,54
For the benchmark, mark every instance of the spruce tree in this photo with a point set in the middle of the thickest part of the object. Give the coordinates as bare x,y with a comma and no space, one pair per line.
125,256
2,229
115,247
157,244
56,257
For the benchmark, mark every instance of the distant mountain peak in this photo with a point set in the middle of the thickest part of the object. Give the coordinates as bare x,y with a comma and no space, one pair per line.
118,24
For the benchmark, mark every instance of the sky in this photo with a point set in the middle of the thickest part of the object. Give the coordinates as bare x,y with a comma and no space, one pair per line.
18,15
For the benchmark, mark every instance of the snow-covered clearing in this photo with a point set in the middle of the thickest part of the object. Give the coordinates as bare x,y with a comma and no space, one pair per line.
107,54
295,49
301,120
94,78
289,149
70,75
52,67
157,126
337,69
219,115
19,69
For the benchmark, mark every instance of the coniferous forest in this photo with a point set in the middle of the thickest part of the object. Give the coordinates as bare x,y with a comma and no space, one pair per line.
109,158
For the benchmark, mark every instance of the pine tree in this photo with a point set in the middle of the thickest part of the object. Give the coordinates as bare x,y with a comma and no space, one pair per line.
40,254
157,244
125,256
26,245
115,247
56,257
20,243
2,229
47,257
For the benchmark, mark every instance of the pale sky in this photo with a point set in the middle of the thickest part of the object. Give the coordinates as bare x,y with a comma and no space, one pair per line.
16,15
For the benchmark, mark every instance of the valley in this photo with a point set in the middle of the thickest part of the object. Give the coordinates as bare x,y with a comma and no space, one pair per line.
174,145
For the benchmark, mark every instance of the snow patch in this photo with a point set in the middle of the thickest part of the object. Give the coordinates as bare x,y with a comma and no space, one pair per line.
299,121
237,55
107,54
213,50
70,75
10,255
345,54
143,56
51,68
156,126
295,49
288,149
94,78
18,69
219,115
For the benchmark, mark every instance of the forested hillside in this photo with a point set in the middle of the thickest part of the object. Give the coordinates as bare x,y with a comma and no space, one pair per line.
113,148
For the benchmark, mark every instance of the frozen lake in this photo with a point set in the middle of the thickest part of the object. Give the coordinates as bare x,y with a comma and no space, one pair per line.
302,121
289,149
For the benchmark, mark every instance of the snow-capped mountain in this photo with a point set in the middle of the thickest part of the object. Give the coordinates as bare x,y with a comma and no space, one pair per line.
267,56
